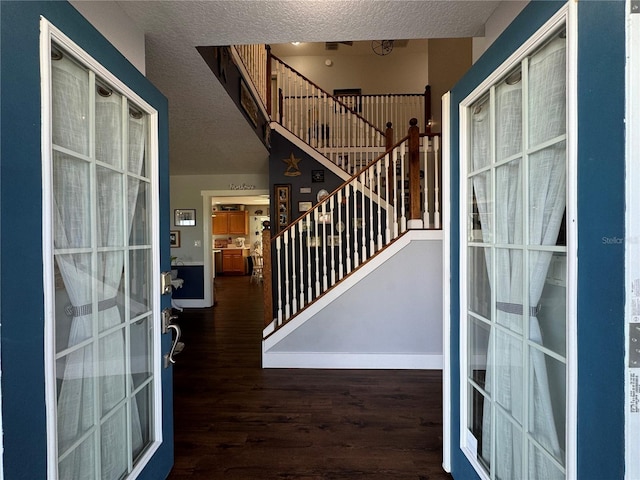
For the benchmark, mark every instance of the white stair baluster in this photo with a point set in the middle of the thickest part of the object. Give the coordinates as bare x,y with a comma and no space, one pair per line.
294,286
347,216
357,222
287,305
378,166
363,202
300,242
332,270
425,150
278,256
315,215
339,232
324,246
372,244
394,178
389,215
309,282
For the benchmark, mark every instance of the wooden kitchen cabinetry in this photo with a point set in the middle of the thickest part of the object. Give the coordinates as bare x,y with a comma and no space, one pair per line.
230,223
233,261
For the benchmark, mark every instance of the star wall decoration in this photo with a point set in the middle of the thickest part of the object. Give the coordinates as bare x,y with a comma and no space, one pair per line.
292,166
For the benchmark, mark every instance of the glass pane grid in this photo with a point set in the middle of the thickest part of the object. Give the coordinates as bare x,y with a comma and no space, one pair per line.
549,143
543,451
70,153
556,356
512,452
104,449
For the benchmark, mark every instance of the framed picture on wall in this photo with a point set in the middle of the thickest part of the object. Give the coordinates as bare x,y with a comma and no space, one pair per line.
282,197
174,238
184,217
248,103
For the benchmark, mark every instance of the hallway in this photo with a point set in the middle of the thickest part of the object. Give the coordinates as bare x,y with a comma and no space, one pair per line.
234,420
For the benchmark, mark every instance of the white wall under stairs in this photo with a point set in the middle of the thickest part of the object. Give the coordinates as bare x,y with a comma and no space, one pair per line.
386,315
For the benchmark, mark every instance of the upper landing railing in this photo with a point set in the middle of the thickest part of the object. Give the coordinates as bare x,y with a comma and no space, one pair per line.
347,129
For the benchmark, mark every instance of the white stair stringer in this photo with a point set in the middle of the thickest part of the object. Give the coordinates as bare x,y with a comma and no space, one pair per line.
385,315
324,161
309,150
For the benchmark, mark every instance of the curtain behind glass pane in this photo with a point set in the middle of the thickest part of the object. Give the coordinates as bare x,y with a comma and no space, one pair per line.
547,202
73,218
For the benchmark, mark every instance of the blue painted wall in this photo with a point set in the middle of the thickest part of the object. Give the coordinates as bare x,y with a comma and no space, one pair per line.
601,215
21,295
193,287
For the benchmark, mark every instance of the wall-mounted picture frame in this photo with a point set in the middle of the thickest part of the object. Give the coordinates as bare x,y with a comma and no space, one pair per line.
334,240
305,189
324,218
313,242
304,206
248,103
184,217
282,197
317,176
174,238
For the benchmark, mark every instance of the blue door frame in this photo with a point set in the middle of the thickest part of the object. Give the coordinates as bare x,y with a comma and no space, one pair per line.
21,274
600,184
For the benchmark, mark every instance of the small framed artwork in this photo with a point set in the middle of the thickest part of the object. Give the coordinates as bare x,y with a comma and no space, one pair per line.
324,218
304,206
248,103
333,240
357,223
282,195
317,176
184,217
314,242
174,238
305,189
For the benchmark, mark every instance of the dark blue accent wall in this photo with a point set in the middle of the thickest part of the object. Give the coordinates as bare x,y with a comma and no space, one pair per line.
601,165
21,273
281,149
193,287
600,322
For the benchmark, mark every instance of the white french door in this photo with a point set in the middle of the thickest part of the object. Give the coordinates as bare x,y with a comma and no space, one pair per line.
514,300
101,256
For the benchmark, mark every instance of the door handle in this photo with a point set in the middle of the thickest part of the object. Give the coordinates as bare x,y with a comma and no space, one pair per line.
176,347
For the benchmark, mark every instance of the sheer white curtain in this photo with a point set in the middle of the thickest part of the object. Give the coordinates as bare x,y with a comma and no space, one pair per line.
546,187
79,370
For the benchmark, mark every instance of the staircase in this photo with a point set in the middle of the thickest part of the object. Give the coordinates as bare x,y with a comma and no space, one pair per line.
389,200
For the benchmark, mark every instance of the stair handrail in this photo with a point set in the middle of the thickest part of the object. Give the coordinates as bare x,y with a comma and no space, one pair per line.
323,121
329,95
376,203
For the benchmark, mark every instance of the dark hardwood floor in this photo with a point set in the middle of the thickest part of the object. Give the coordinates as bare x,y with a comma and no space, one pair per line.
234,420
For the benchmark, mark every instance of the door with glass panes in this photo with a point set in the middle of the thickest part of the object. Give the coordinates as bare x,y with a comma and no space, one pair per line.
514,259
102,256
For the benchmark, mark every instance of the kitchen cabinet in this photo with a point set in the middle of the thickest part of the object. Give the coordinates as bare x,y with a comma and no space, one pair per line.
230,223
233,261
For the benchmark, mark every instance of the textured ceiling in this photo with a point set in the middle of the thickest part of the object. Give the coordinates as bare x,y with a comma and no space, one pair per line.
208,135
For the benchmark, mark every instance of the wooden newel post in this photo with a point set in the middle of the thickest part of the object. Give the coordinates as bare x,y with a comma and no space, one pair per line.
266,273
388,136
268,73
414,171
427,110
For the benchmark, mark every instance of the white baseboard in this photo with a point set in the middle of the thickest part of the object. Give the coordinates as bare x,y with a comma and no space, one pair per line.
378,361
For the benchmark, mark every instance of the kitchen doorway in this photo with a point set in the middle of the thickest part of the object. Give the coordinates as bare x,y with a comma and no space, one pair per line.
237,220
